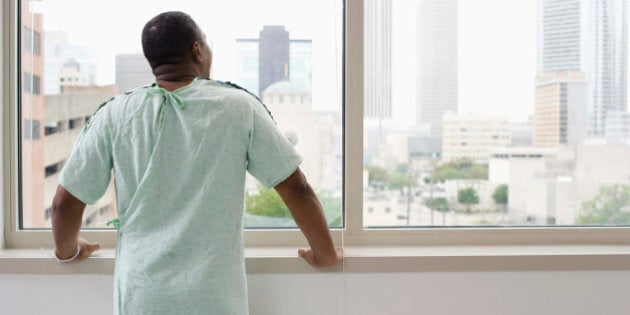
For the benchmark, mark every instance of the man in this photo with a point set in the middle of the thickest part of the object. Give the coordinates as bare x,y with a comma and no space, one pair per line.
180,149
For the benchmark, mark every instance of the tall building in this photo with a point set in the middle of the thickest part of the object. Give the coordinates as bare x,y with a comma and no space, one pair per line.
71,74
436,73
66,115
132,71
560,109
32,119
377,76
271,58
59,52
273,55
618,127
470,136
590,36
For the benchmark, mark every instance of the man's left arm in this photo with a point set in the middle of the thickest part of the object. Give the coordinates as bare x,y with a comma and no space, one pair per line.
67,215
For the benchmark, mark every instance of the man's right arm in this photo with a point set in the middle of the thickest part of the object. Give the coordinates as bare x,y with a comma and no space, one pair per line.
309,216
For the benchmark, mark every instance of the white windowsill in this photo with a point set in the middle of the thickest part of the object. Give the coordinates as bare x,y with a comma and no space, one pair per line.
369,260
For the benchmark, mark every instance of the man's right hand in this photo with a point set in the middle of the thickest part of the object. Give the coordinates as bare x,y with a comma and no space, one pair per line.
318,261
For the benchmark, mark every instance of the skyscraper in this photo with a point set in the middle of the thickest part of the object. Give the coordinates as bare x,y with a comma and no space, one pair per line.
560,109
590,36
33,116
436,72
377,75
273,56
264,61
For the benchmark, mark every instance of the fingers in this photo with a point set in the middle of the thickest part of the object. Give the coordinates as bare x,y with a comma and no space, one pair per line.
309,256
87,249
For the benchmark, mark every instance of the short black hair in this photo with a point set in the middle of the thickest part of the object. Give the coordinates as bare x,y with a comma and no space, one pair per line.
168,37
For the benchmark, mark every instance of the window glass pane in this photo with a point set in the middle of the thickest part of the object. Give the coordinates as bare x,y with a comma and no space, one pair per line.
496,113
286,52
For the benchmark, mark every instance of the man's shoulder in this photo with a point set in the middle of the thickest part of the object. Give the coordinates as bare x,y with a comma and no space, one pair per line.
250,98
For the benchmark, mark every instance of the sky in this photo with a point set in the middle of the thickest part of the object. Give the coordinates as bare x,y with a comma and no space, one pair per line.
496,44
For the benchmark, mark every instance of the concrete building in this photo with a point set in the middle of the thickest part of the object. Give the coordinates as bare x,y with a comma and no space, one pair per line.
65,116
132,71
560,109
273,57
71,74
377,77
470,136
523,133
58,52
436,73
618,127
32,121
548,186
590,36
316,135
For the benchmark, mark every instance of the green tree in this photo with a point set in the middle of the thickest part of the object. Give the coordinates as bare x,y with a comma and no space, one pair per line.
399,181
402,168
468,197
460,169
266,203
610,206
439,204
500,196
377,175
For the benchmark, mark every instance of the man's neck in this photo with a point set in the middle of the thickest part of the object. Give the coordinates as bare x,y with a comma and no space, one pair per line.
174,76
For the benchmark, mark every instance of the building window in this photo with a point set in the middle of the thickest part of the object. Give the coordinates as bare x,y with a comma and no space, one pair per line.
31,129
31,83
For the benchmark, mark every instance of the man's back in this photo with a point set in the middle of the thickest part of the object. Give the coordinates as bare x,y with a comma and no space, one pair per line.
179,160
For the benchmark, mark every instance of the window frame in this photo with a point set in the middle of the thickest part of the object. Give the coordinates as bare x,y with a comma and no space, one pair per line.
352,234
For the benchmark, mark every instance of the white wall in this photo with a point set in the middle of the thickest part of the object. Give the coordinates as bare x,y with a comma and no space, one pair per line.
435,293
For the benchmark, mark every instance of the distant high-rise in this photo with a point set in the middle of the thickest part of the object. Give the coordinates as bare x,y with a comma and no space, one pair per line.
272,58
560,109
470,136
273,55
436,72
59,52
377,74
132,71
590,36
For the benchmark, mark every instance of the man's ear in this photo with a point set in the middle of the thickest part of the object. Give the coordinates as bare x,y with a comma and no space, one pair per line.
196,52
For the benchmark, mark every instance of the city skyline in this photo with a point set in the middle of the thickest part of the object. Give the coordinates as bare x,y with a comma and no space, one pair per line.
487,53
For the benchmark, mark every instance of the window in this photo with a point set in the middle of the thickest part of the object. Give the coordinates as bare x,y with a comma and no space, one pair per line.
402,177
277,56
31,129
437,79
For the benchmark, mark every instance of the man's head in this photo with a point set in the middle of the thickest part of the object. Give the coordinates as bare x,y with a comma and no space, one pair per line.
174,38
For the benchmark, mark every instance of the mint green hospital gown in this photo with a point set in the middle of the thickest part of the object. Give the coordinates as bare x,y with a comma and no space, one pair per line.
179,161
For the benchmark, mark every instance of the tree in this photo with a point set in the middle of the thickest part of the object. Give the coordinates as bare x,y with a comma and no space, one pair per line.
269,204
610,206
460,169
266,203
377,176
500,196
401,181
468,197
439,204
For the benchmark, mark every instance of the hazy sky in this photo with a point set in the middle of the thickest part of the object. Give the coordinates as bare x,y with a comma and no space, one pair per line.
497,43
